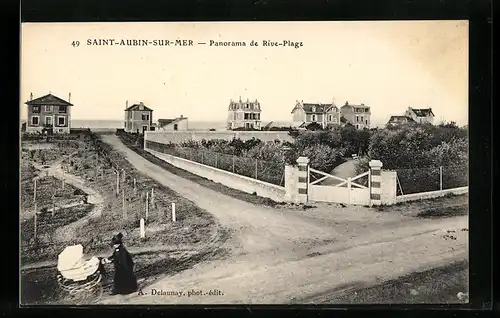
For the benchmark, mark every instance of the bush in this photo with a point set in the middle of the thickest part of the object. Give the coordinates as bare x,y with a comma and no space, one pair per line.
417,151
323,157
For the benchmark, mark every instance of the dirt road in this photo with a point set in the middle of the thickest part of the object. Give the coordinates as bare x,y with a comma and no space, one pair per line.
280,257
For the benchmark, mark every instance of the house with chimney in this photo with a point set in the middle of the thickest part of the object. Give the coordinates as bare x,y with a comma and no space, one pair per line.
138,118
420,115
357,115
244,114
325,115
175,124
49,114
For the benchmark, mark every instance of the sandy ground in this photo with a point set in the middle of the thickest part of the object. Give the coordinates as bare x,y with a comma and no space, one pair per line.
281,256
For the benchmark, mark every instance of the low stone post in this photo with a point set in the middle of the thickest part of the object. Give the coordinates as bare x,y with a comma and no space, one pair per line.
375,182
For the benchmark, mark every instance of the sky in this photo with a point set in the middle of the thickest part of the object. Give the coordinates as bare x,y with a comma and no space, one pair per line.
388,65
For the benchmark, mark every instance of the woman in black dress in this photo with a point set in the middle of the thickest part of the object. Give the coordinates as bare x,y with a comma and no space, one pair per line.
125,281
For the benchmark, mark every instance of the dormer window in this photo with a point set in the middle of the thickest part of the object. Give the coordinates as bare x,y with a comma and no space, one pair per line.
314,109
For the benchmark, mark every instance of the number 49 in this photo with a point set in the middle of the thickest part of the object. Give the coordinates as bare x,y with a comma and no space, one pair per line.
75,43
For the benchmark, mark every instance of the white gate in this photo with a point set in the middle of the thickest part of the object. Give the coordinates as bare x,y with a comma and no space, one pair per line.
345,191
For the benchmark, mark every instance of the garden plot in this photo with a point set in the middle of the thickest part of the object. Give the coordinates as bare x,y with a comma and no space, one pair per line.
46,225
46,153
50,192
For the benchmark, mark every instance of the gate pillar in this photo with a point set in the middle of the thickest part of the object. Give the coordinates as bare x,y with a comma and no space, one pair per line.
303,179
375,182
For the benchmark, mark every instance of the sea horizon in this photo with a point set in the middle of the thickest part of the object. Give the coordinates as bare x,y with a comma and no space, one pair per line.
192,125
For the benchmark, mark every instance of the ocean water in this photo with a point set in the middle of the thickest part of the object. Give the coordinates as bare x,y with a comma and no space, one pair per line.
192,125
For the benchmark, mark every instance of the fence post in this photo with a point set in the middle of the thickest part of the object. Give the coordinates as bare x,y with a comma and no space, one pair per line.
202,157
216,160
441,178
35,218
135,188
152,197
349,185
123,175
233,163
123,205
147,205
143,230
256,167
53,205
173,212
117,182
375,188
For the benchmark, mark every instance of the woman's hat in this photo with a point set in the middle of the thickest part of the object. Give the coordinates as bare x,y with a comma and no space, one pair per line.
117,239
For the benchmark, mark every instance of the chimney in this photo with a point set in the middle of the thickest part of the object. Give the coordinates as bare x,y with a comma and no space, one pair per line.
182,116
346,103
126,104
31,96
141,105
69,97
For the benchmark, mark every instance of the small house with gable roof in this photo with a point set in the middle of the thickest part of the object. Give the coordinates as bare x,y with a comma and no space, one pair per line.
399,120
49,114
420,115
176,124
138,118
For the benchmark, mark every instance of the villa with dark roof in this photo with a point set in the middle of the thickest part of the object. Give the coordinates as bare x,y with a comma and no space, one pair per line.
322,114
244,114
422,115
49,114
138,118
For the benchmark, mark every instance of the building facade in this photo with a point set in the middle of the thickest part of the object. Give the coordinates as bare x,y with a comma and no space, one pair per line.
325,115
357,115
49,114
244,114
422,115
176,124
138,118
